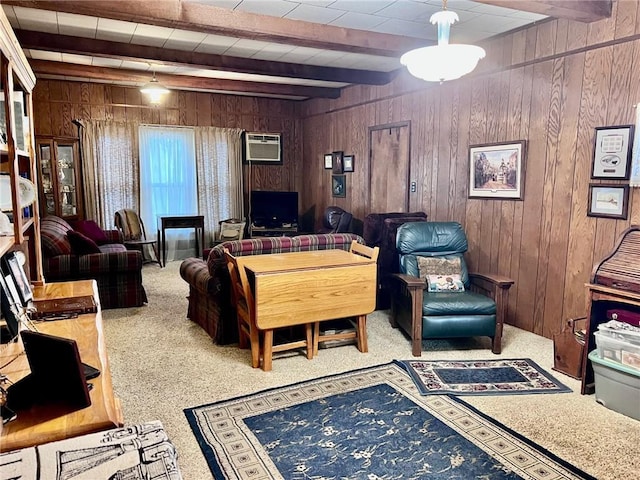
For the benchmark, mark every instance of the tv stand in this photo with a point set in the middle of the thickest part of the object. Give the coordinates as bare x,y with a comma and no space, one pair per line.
272,232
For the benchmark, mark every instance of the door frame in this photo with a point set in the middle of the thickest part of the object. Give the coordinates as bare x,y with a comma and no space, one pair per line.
405,123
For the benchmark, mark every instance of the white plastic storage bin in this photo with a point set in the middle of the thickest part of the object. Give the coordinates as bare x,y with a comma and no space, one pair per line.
617,386
630,335
617,350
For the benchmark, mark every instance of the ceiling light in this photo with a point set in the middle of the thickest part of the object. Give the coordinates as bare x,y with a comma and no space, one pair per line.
444,61
155,90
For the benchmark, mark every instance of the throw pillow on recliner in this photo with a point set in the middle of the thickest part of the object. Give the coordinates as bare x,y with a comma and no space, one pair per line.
441,274
81,244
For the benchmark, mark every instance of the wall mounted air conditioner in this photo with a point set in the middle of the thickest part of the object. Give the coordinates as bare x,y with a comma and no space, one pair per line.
265,148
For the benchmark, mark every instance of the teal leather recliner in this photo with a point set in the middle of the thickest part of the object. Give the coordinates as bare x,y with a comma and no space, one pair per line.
449,310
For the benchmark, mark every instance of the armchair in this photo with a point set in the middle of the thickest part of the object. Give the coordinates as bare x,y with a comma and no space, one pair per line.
465,306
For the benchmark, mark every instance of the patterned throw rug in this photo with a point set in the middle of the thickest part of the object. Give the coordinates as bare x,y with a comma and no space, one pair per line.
482,377
365,424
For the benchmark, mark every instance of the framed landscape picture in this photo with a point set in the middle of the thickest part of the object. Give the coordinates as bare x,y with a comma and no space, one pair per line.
496,170
608,201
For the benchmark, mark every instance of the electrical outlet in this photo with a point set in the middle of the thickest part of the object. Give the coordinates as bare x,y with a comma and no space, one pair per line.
414,187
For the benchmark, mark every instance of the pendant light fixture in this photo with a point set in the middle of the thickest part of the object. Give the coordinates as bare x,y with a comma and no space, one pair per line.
444,61
155,90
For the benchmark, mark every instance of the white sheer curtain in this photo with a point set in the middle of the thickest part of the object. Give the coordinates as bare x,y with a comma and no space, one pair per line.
168,184
109,169
219,166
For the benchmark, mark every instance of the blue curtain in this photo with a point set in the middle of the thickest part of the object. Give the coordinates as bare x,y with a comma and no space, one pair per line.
168,184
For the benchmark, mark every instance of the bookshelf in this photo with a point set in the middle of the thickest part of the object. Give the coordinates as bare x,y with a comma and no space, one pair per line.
17,158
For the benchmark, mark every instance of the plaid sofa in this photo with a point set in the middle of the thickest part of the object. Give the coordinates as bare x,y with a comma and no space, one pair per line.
117,271
210,302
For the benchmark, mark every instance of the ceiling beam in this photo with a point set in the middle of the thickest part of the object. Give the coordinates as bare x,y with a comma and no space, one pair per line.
141,53
178,82
581,11
222,21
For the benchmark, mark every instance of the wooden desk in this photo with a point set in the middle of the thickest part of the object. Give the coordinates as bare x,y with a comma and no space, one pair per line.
303,287
180,221
41,424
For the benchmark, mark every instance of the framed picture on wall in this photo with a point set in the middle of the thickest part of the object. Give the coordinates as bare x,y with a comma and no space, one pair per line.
612,152
347,163
328,161
337,162
608,200
339,185
496,170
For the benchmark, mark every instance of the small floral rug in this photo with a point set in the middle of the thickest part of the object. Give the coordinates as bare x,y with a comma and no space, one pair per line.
365,424
482,377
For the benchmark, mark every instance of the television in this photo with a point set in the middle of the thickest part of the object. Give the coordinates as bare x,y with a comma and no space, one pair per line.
271,209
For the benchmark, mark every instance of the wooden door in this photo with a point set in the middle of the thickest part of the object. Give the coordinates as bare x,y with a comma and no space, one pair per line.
389,167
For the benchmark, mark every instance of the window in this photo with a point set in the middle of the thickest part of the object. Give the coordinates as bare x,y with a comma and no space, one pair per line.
168,183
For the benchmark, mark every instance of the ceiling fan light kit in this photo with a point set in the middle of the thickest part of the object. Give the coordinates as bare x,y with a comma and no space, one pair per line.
443,61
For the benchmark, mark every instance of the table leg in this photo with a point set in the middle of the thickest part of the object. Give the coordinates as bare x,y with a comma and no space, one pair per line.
197,242
164,247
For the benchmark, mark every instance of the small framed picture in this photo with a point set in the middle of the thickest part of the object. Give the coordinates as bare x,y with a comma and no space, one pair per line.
608,201
612,152
339,185
337,162
347,163
328,161
14,268
9,305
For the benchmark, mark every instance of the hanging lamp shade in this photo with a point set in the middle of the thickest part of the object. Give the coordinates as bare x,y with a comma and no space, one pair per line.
155,90
444,61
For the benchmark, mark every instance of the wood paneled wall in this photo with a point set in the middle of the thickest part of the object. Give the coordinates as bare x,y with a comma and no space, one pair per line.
550,84
57,103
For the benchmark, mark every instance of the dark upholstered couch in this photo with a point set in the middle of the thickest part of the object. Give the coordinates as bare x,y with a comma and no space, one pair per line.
210,303
117,271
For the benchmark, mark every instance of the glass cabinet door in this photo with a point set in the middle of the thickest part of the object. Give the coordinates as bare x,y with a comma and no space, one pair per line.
58,165
47,179
67,180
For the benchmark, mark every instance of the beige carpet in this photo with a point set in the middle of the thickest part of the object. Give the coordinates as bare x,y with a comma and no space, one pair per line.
162,363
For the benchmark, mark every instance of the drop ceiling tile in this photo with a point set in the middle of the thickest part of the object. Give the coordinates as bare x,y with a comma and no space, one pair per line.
361,21
413,11
491,9
151,35
77,25
299,54
530,16
106,62
371,6
77,59
42,55
491,24
273,51
115,30
317,3
455,5
403,27
38,20
325,58
274,8
311,13
128,64
184,40
215,44
245,48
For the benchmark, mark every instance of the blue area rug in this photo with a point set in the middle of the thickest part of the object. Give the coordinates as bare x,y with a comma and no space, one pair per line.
368,424
482,377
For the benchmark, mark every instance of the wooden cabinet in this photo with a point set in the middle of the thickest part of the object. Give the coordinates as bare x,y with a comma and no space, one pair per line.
16,148
60,177
601,299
